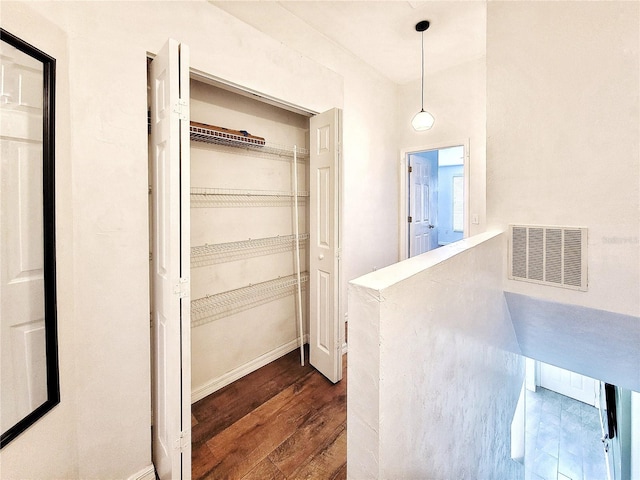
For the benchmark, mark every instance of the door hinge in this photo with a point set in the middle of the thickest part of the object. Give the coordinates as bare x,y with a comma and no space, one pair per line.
338,253
182,109
183,441
410,219
410,169
182,287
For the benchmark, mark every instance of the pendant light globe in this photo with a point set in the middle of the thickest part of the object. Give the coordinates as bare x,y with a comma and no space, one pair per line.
423,120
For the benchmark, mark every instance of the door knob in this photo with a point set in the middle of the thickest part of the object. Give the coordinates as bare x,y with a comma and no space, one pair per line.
432,226
320,257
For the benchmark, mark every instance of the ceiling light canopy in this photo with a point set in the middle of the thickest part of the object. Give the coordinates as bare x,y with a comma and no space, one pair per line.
423,120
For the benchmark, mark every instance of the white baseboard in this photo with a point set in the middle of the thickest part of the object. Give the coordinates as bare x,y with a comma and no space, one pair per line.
237,373
147,473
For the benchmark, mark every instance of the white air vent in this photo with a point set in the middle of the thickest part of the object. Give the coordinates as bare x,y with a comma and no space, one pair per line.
549,255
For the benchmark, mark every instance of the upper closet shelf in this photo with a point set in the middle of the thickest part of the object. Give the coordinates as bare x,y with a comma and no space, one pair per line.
201,132
227,197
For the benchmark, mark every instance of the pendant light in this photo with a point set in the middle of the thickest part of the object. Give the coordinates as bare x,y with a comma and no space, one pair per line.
423,120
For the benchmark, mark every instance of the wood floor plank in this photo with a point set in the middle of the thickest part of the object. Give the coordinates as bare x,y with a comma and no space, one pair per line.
250,383
280,422
202,461
265,470
329,463
251,439
311,437
341,474
244,444
216,412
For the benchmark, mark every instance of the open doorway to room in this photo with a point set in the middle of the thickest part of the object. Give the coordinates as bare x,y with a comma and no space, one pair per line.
564,427
434,198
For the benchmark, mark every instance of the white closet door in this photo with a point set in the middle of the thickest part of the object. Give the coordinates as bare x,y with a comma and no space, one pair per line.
171,309
324,244
423,229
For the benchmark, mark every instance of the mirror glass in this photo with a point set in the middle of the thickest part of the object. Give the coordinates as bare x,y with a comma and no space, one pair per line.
28,347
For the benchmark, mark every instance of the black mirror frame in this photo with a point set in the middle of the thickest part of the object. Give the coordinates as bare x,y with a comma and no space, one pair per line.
49,236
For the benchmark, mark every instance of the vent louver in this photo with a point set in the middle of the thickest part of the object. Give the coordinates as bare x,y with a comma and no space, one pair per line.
549,255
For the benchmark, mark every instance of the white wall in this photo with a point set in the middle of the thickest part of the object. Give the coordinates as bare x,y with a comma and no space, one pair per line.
434,367
562,127
456,98
370,147
101,429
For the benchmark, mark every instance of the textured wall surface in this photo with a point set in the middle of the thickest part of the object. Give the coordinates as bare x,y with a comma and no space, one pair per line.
438,390
562,102
573,337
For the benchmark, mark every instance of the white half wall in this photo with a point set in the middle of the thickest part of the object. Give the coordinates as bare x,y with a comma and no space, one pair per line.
434,367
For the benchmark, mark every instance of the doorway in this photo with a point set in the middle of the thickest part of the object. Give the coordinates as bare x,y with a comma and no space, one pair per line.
210,209
563,427
434,198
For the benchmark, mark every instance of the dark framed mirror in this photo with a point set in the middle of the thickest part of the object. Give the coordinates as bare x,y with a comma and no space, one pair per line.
29,378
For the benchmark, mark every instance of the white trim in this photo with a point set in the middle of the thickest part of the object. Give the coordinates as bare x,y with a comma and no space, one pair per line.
209,79
403,208
147,473
219,82
251,366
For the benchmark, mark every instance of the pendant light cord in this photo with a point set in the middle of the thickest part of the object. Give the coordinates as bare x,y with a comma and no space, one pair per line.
422,92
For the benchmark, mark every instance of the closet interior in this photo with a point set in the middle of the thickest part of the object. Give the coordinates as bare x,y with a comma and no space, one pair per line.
249,234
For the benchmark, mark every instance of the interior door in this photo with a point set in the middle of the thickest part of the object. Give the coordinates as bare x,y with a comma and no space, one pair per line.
325,327
23,361
423,202
170,264
569,384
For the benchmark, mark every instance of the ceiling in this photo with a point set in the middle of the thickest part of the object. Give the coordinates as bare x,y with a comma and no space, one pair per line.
380,33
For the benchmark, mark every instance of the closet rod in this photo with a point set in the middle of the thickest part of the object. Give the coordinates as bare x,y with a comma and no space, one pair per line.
297,234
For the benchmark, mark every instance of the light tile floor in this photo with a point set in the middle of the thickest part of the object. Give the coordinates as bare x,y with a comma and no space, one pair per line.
563,439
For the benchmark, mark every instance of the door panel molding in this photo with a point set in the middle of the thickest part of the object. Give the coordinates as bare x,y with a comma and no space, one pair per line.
170,149
325,325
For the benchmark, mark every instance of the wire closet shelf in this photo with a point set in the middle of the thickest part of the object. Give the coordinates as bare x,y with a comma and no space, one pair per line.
227,197
227,139
210,254
214,307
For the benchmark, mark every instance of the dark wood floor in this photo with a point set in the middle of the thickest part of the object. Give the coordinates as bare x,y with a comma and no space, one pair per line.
282,421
